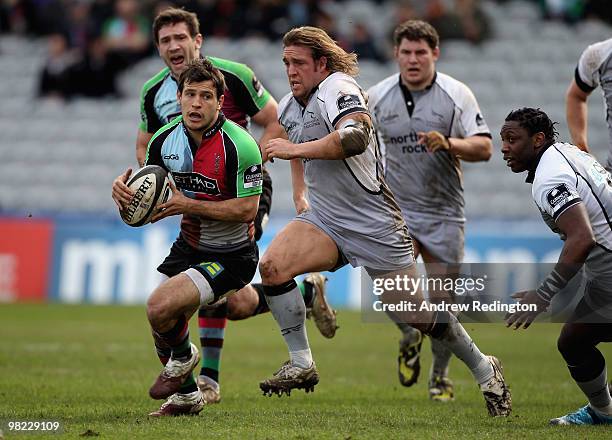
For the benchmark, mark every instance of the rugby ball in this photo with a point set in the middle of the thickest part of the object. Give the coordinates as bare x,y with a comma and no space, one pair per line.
151,189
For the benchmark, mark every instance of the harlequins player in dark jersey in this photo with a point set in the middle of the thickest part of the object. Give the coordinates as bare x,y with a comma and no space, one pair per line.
177,37
216,167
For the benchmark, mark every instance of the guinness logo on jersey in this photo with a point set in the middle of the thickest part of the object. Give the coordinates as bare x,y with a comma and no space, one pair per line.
253,177
196,182
559,196
348,101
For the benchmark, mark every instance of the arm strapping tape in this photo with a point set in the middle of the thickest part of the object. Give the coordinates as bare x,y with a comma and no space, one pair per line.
551,285
354,137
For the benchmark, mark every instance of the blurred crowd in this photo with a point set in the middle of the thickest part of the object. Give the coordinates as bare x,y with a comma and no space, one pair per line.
91,41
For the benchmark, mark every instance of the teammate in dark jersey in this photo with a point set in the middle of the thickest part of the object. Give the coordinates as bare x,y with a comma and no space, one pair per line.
573,192
216,165
177,37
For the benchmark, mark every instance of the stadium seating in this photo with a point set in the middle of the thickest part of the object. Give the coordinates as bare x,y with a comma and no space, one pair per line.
63,157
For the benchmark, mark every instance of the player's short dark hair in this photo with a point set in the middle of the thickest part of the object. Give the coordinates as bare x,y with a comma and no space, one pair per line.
200,70
534,121
174,16
415,30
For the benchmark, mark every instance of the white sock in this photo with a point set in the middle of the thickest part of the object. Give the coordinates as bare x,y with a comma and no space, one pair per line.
597,392
301,358
289,312
456,339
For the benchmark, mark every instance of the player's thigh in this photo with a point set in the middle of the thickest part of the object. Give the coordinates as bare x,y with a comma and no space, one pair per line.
585,327
438,272
176,296
298,248
402,290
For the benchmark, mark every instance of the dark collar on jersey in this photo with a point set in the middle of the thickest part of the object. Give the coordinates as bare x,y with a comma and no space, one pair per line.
208,133
536,162
407,94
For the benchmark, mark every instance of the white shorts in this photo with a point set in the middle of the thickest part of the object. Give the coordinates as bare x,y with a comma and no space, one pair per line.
385,254
445,240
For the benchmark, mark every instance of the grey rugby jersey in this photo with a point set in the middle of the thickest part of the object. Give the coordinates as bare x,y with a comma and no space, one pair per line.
565,176
347,193
594,69
424,183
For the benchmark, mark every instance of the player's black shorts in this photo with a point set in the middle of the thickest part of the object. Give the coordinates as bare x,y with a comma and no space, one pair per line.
265,205
225,272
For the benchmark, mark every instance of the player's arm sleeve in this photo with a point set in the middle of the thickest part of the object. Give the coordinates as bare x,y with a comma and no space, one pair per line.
468,120
154,151
249,175
555,192
249,92
342,98
588,65
149,121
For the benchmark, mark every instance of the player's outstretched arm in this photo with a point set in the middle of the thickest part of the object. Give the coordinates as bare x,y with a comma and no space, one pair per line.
575,224
576,111
142,142
472,149
350,138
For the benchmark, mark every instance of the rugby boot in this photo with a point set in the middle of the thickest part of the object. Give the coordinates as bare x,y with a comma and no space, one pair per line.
496,393
173,375
441,389
583,416
408,361
181,404
289,377
322,314
210,389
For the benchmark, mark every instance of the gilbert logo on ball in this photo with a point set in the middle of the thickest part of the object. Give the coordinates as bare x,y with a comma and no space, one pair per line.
151,189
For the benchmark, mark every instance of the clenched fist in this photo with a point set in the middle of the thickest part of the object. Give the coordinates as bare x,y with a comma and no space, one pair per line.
434,141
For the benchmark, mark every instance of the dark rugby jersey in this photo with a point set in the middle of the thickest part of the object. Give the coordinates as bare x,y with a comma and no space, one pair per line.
226,165
245,96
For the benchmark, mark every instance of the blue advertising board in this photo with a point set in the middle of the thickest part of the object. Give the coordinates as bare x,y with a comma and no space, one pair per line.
108,262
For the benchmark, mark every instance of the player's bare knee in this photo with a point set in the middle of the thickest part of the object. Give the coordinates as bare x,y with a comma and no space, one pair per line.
268,269
155,312
159,307
236,308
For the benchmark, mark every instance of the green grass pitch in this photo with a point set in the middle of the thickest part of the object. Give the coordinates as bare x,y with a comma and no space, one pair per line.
90,368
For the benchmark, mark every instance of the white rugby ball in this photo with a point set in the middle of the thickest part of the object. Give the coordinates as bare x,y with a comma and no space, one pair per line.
151,189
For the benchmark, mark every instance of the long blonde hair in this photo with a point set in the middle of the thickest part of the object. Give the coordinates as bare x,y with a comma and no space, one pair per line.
322,45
